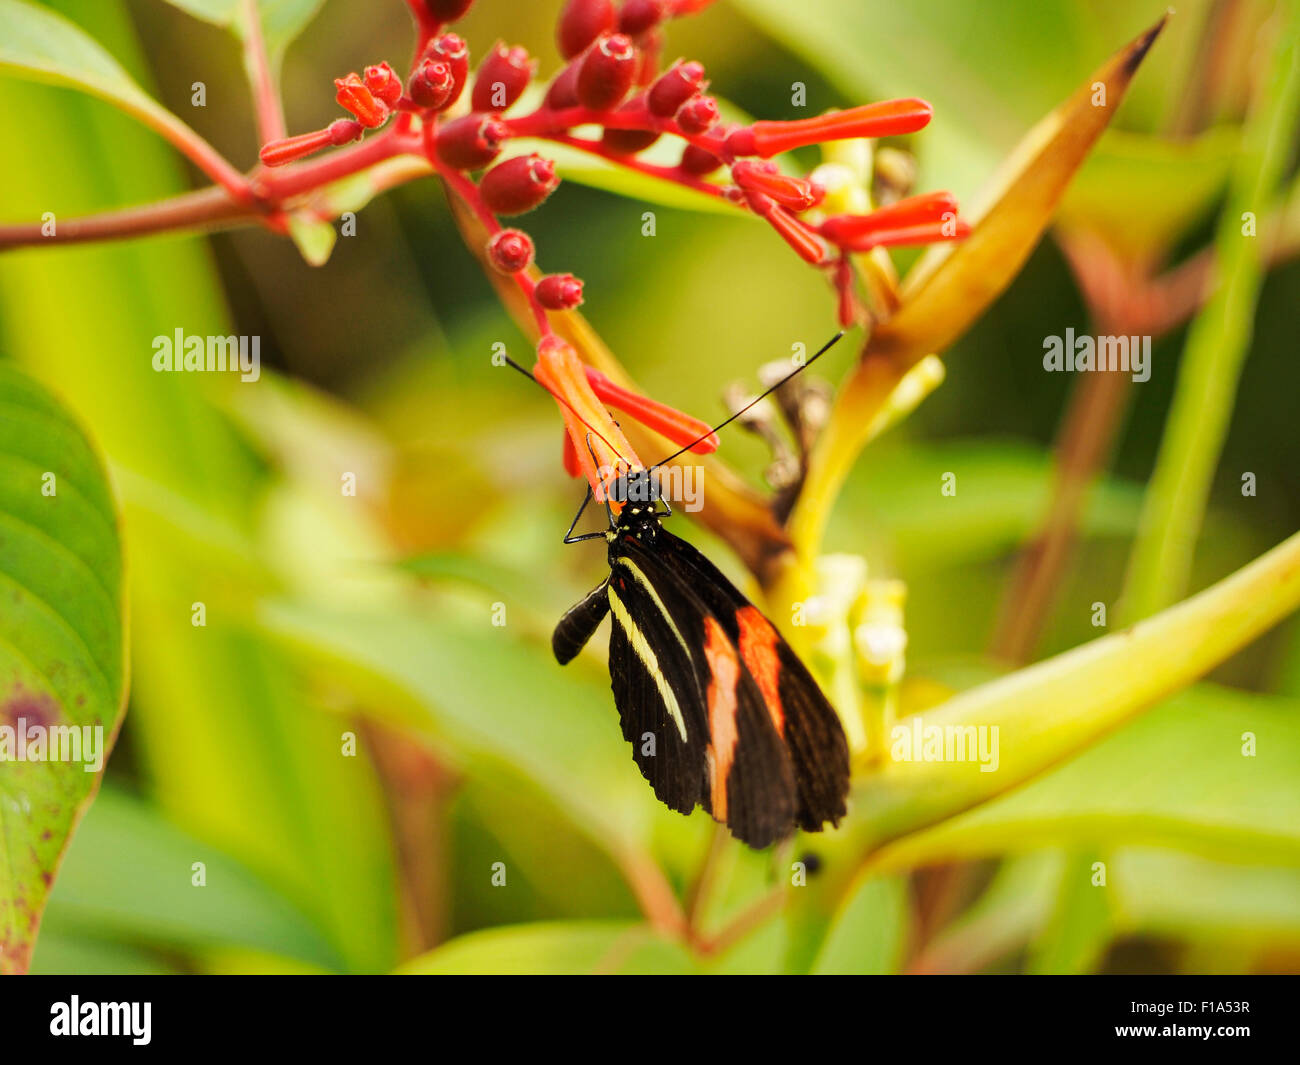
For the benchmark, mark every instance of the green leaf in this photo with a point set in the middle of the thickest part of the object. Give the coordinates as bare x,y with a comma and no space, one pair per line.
130,878
1211,798
39,44
1169,186
282,20
62,645
570,948
1218,341
869,935
1057,708
314,237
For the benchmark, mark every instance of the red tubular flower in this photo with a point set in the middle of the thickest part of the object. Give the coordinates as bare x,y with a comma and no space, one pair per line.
451,49
384,84
680,428
519,184
638,16
431,85
472,141
886,119
581,22
353,96
277,153
607,71
929,233
913,211
591,429
510,251
674,87
698,115
806,243
502,78
559,292
797,194
572,464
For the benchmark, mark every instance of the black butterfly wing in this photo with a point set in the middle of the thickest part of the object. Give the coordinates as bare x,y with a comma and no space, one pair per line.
677,673
801,714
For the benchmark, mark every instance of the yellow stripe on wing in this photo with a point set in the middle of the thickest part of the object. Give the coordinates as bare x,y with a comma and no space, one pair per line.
641,647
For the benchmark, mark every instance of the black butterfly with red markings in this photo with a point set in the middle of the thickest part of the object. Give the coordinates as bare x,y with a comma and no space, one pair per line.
719,710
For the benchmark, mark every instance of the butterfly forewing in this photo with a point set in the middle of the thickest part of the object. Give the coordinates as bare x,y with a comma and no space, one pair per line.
745,776
801,714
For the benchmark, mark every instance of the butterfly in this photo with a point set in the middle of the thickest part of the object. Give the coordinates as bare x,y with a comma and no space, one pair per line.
718,708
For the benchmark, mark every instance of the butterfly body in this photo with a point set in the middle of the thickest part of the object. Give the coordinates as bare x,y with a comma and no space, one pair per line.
719,710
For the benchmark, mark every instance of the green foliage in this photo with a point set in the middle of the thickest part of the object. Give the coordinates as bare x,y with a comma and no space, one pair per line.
350,746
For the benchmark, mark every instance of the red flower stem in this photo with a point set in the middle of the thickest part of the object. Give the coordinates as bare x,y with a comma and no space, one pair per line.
266,94
664,173
210,208
467,191
545,122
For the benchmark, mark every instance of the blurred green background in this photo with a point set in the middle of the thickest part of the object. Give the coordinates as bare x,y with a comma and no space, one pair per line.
472,747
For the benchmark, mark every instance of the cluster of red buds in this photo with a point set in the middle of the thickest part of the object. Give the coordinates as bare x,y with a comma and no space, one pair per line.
613,80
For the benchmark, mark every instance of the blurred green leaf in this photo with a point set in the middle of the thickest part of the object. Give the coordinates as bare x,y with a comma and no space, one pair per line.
1175,776
493,703
250,765
869,934
560,948
1056,708
282,20
129,877
313,237
1219,339
1168,186
1168,893
62,645
40,44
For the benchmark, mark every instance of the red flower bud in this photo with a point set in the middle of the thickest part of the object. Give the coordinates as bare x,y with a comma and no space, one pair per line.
502,78
384,84
559,292
447,10
563,92
451,49
471,142
798,194
606,73
581,22
628,141
353,96
649,47
699,162
638,16
518,184
697,114
431,85
277,153
674,87
510,251
888,118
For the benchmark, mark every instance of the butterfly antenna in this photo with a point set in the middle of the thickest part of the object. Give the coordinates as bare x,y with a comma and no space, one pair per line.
532,377
756,400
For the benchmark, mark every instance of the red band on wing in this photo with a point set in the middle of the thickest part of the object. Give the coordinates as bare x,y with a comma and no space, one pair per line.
724,673
758,643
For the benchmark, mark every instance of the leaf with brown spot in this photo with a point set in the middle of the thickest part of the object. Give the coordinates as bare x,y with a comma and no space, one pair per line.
62,646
